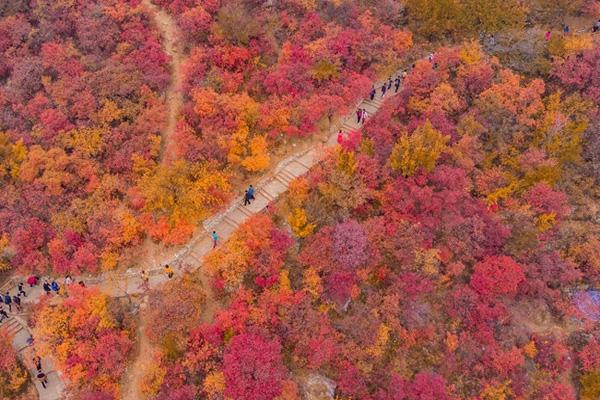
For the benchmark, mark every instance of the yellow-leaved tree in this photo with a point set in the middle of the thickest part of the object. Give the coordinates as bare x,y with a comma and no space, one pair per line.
183,191
11,157
299,223
419,150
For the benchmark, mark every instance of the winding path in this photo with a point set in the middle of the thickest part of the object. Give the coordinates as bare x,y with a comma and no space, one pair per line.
171,44
189,257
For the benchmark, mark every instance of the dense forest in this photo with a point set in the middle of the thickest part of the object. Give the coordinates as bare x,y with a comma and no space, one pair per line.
82,112
434,258
449,248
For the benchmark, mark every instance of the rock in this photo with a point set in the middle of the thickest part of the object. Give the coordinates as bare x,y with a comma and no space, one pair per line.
317,387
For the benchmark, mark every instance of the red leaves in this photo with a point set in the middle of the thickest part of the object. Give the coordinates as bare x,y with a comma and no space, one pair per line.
497,276
580,72
253,367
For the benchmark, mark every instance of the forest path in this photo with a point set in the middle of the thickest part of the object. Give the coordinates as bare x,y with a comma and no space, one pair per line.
171,39
142,359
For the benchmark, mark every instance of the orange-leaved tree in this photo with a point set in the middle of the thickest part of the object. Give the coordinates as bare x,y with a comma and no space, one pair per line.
13,376
87,335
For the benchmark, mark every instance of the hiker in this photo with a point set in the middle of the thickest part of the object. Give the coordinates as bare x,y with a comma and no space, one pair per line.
32,281
215,238
20,289
17,301
249,195
547,35
397,84
37,361
47,287
340,136
566,29
364,115
389,86
81,284
3,314
169,271
404,74
68,280
358,115
383,90
54,286
596,27
430,57
42,378
8,301
492,40
145,280
373,92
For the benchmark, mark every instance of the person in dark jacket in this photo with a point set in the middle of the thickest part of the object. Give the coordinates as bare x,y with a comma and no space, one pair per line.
8,301
3,314
372,94
17,301
37,361
20,289
47,287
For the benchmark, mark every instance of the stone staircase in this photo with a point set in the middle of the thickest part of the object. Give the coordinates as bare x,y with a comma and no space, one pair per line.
24,345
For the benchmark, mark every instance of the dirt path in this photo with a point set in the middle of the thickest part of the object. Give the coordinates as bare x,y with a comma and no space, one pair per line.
142,358
174,101
171,40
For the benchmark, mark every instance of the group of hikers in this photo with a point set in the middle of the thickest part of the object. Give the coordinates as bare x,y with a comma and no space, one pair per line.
9,301
15,300
362,114
566,29
387,86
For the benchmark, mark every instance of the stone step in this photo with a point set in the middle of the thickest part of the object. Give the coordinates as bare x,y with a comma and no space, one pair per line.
288,174
302,161
244,210
371,108
12,326
298,168
349,128
266,195
285,180
237,215
228,220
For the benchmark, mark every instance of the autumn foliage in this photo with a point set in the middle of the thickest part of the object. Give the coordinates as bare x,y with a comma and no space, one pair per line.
436,260
88,337
13,376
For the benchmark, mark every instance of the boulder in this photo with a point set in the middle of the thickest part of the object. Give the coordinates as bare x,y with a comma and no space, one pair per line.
317,387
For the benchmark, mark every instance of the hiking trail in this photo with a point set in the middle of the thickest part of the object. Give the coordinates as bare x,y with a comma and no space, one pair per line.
174,95
142,357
